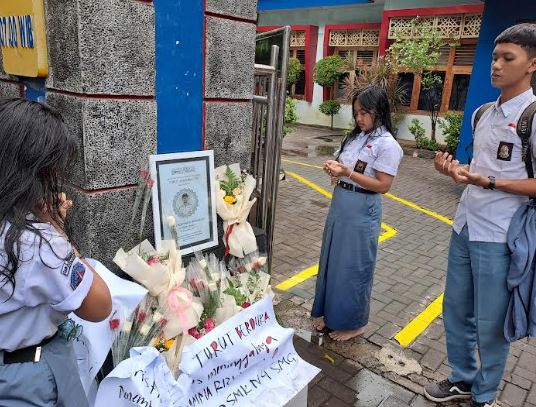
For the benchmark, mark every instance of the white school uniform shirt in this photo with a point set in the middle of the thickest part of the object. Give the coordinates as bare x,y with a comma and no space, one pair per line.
376,151
51,282
497,152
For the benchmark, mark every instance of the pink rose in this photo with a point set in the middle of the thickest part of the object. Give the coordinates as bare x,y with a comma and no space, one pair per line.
209,324
153,260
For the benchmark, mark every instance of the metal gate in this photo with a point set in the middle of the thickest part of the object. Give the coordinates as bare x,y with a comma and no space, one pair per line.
271,57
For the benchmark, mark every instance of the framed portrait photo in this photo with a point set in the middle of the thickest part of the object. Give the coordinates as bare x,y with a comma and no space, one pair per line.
185,189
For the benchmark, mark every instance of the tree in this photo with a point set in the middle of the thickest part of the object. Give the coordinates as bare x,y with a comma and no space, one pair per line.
330,108
418,50
327,73
383,72
294,70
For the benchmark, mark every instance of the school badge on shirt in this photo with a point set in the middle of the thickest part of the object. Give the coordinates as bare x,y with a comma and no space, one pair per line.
77,274
360,166
504,152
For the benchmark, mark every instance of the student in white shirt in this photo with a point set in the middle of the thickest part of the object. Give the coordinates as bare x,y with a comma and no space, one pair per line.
476,294
43,278
365,168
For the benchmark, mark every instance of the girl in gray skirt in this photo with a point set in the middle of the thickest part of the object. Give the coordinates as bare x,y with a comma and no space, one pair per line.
365,167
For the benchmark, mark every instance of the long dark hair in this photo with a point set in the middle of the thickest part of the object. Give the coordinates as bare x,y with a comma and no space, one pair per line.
373,99
36,154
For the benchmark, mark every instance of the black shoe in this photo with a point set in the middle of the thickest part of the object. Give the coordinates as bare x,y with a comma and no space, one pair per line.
446,391
491,403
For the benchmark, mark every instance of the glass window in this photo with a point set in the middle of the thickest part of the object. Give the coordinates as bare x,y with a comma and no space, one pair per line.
460,85
340,87
432,96
405,87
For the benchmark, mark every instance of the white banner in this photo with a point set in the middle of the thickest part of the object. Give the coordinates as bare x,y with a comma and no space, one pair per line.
93,345
144,379
249,360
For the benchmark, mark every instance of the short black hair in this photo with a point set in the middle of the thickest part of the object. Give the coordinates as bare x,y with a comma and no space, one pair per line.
523,34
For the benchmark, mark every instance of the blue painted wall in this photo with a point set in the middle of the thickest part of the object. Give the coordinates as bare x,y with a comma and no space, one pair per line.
498,15
289,4
179,75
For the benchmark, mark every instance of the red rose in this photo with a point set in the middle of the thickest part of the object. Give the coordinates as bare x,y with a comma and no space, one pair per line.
246,305
114,323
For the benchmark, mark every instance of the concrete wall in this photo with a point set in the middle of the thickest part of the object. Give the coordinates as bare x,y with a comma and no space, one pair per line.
122,71
365,13
401,4
102,78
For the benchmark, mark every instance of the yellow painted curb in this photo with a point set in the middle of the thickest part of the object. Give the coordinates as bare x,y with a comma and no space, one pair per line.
417,326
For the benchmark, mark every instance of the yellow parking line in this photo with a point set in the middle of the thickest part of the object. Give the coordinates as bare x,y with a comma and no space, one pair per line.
389,195
417,326
420,208
298,278
388,232
302,164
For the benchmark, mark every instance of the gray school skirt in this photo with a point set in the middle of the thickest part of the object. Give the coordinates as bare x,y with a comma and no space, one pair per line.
348,259
53,381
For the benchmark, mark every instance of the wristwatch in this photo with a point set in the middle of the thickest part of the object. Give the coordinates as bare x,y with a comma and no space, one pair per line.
491,185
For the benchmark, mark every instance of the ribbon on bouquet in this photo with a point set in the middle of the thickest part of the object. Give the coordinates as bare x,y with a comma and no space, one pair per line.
226,237
180,301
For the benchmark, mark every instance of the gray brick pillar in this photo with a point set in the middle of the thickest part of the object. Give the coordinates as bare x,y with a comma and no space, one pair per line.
101,77
229,71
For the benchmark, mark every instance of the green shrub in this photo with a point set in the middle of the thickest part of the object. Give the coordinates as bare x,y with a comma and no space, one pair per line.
328,70
291,115
416,128
396,119
452,126
330,107
294,70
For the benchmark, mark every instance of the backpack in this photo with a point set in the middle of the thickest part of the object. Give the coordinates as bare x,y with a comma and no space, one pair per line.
523,130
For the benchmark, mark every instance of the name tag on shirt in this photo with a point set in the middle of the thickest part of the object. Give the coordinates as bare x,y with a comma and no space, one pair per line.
504,152
360,166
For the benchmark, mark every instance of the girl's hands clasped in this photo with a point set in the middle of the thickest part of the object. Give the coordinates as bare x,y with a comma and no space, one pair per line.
336,169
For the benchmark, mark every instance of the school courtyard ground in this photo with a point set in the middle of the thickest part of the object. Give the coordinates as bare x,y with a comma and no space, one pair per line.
404,344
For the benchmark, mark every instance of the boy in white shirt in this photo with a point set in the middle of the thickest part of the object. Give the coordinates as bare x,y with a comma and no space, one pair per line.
476,294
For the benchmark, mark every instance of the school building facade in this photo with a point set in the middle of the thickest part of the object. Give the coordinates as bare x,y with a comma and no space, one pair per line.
363,31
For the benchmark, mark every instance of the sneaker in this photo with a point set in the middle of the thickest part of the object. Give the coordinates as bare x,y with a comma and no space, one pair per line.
446,391
492,403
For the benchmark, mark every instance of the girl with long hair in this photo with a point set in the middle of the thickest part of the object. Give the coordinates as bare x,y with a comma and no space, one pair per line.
366,166
42,276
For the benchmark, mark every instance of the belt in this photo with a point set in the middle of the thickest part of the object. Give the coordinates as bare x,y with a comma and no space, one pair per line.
352,187
28,354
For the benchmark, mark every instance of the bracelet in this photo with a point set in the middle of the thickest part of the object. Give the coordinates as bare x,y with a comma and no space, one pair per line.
350,173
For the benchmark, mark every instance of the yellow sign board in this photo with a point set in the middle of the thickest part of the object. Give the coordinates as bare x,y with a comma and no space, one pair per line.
23,38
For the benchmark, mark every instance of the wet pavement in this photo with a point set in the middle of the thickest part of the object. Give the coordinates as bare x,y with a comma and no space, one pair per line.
374,369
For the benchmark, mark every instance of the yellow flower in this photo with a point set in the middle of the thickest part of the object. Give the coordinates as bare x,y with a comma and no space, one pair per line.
237,191
229,199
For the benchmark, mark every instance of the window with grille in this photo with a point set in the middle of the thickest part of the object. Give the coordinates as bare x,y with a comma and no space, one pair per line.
359,58
454,66
297,90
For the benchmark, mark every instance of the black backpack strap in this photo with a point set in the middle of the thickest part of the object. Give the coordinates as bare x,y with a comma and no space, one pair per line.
524,130
478,115
481,110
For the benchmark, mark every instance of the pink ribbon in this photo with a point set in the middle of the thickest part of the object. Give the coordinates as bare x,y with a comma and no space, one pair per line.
180,306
